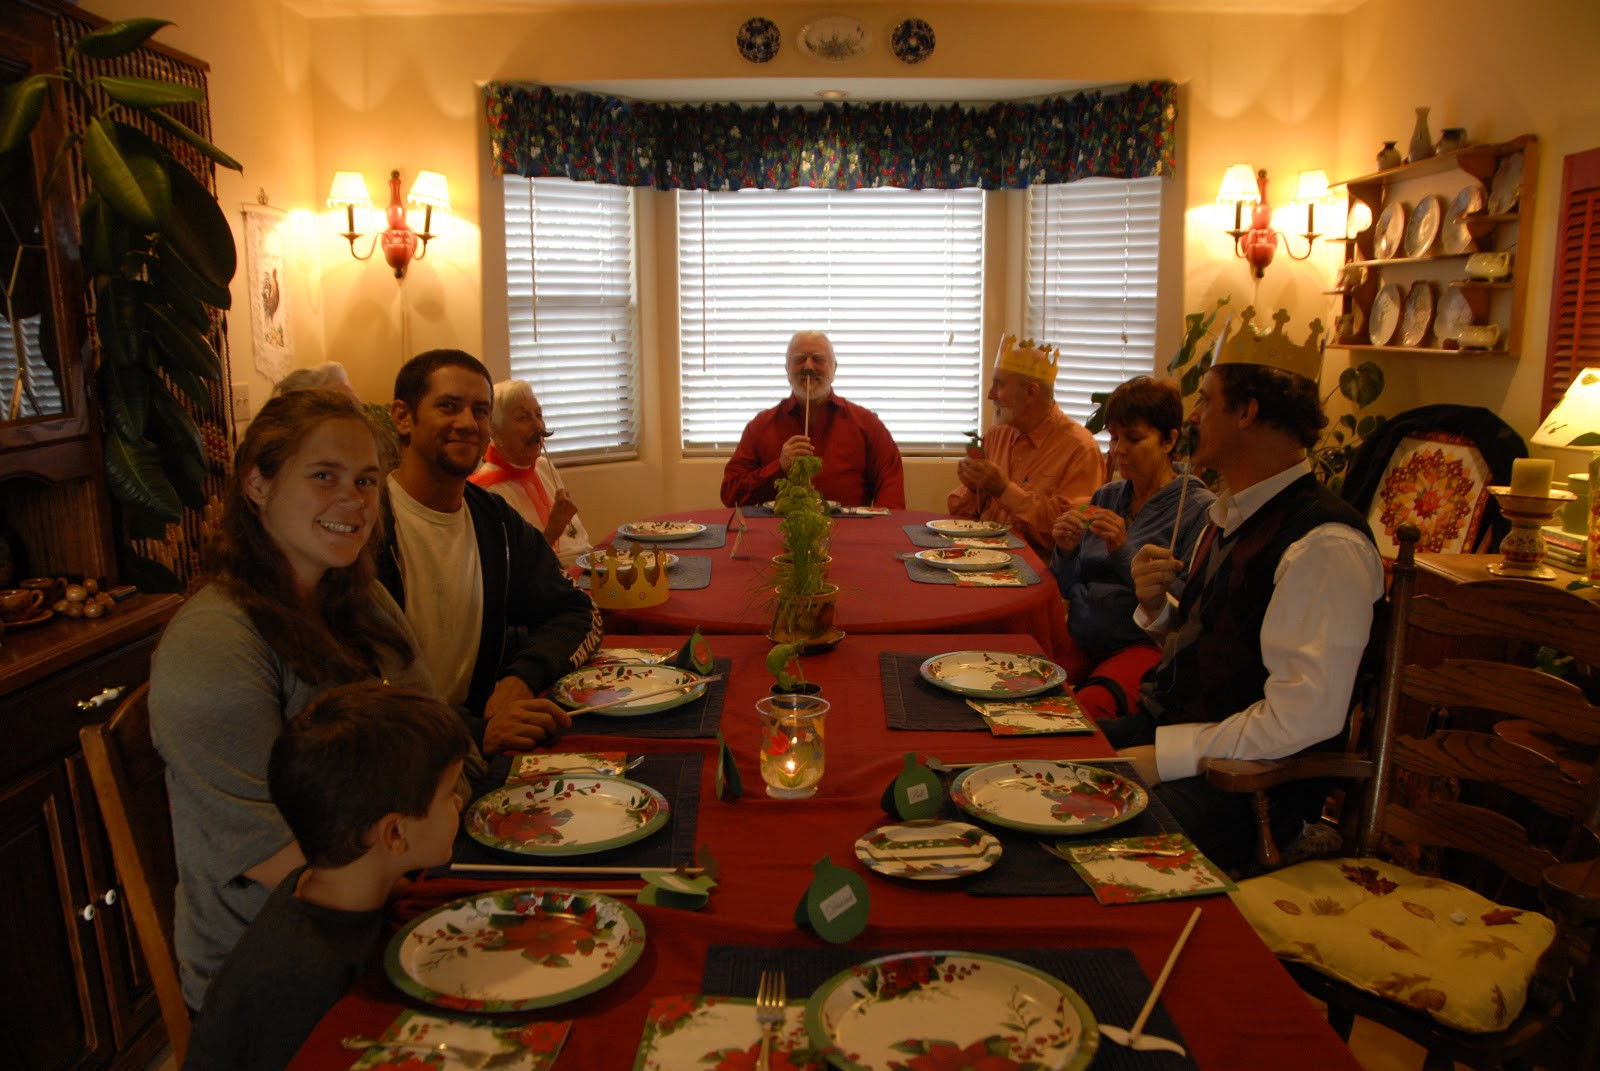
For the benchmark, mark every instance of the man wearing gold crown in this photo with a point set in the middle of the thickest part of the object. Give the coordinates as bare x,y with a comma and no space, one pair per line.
1260,654
860,462
1036,460
497,621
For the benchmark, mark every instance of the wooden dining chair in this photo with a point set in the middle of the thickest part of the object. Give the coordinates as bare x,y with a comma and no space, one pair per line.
130,784
1441,961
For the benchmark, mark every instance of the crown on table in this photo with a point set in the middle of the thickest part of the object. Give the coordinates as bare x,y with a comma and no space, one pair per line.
1027,358
1273,349
627,581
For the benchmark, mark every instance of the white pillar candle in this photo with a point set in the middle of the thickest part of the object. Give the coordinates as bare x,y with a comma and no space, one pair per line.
1531,476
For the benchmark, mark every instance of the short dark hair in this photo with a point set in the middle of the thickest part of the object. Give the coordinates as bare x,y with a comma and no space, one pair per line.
411,382
1284,400
355,754
1147,400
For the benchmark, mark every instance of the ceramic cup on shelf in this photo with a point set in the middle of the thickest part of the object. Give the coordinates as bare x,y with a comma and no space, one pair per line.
17,604
1489,267
1388,156
1479,336
1452,139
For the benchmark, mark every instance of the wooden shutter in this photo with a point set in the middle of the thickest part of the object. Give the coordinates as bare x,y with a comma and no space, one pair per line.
1575,299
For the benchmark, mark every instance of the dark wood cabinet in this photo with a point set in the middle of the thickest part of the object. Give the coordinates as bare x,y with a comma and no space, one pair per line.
74,992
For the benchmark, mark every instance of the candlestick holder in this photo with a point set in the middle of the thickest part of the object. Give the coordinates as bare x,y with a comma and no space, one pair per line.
1523,548
792,755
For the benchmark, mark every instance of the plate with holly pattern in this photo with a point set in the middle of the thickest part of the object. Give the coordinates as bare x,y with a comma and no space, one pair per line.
568,814
610,682
1048,797
992,674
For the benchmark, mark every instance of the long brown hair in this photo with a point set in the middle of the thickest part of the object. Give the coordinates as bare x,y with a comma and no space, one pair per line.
342,643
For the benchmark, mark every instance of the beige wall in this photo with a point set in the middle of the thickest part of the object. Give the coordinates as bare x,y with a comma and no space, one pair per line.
296,99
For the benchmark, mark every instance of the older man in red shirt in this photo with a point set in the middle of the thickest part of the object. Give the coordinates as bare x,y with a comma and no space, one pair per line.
1037,460
860,462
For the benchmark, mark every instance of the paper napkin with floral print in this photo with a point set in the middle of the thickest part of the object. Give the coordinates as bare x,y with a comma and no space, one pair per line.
1117,872
537,1044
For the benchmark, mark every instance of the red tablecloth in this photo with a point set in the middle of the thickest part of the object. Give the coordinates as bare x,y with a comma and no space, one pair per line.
1232,1001
875,594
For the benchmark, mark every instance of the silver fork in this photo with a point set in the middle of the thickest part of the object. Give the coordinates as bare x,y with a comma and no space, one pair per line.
770,999
469,1058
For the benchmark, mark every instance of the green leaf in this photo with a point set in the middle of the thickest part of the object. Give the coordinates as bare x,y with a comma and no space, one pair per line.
24,101
134,475
177,427
151,176
1368,425
192,387
170,290
124,400
189,135
184,346
145,93
1362,384
1191,380
1348,421
1588,438
119,38
112,177
146,575
119,321
199,231
181,276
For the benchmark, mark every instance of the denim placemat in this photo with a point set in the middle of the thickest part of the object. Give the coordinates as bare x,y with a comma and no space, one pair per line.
675,775
691,571
909,702
1109,980
923,536
697,719
923,573
714,536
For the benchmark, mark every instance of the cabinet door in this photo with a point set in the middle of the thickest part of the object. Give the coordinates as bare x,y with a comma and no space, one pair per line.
52,1008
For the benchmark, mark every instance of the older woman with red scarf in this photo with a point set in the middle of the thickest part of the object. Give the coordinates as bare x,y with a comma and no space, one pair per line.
515,468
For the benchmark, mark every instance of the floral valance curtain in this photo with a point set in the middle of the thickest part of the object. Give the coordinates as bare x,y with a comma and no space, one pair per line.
540,132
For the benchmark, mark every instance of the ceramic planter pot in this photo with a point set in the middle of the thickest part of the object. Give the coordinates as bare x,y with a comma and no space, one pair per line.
803,618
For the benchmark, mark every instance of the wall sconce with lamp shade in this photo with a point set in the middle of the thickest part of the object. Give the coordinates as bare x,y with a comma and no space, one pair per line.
401,244
1258,243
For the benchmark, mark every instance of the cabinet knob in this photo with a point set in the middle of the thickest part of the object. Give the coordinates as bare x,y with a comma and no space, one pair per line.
106,696
110,898
88,913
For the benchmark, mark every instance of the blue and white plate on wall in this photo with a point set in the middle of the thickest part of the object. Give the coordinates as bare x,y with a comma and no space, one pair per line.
912,40
758,40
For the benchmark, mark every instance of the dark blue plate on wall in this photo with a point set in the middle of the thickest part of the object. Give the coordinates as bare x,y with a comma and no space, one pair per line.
912,40
758,40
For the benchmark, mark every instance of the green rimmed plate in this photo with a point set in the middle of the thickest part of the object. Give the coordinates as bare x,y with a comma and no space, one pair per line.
928,849
930,1008
567,814
960,527
515,949
992,674
660,531
1054,798
964,559
595,684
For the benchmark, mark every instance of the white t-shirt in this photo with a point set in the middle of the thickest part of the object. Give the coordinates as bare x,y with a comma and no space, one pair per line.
444,588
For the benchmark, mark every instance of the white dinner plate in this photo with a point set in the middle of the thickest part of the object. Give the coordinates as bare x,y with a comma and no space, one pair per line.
957,526
1468,202
913,1008
1391,232
1423,228
1454,313
1417,314
1055,798
515,949
928,849
584,561
1506,189
965,559
606,683
566,814
1384,316
660,531
992,674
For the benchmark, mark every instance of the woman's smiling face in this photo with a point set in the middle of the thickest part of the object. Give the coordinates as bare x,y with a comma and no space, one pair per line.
322,504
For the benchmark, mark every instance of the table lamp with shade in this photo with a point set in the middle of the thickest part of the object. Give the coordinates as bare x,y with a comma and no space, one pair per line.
1574,424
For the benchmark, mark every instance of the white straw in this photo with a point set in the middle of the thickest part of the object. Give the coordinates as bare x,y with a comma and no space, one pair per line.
1161,979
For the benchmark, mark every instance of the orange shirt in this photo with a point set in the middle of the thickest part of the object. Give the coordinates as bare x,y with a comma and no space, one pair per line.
1056,465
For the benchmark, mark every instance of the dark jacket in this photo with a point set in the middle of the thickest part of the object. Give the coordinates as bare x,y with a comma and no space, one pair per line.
536,624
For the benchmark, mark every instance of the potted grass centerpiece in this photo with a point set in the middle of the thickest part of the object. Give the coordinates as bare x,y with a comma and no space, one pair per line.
803,601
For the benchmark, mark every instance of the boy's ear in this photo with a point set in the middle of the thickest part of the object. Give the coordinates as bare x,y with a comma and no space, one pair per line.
389,835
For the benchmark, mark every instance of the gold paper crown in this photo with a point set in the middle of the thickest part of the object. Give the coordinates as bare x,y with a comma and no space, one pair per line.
1026,358
1273,350
627,581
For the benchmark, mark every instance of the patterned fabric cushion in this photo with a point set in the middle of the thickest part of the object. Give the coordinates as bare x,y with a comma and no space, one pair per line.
1438,482
1429,944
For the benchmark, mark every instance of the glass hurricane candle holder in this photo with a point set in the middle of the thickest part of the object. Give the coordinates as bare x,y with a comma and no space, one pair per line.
791,744
1524,547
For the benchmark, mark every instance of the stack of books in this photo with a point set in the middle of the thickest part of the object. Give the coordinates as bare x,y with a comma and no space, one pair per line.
1565,550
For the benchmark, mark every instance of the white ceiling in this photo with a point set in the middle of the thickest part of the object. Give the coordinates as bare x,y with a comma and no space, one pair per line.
337,8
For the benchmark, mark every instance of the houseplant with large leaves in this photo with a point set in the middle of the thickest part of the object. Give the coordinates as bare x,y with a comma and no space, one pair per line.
159,256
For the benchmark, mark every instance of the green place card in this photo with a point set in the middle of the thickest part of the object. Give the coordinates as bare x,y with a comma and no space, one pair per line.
729,785
835,904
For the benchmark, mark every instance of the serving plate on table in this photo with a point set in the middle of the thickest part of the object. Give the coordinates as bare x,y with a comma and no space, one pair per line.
1054,798
992,674
959,527
660,531
928,849
1457,236
1423,228
1391,232
928,1009
566,814
586,562
1417,314
609,682
965,559
515,949
1384,316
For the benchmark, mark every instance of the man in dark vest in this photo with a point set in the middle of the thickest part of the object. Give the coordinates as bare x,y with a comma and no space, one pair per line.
1260,654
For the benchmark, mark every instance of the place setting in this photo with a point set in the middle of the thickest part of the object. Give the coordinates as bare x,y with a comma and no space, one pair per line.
966,566
961,532
635,698
920,692
681,535
687,572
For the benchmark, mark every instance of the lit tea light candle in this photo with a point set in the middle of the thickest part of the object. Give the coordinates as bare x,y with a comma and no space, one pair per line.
792,756
1531,476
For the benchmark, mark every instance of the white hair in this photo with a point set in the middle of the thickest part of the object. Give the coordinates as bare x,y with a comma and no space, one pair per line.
330,376
509,392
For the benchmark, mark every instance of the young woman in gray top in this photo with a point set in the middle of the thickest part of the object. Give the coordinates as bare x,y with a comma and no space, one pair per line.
291,608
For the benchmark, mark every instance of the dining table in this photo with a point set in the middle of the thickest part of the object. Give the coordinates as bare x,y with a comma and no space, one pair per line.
879,591
1228,999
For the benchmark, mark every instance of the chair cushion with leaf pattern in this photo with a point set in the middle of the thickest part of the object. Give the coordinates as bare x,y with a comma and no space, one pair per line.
1423,942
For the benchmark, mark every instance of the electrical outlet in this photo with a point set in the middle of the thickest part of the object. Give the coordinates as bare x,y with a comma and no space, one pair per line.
240,393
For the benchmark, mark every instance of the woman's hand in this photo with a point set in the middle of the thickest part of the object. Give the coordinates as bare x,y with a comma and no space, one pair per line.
1109,526
1069,529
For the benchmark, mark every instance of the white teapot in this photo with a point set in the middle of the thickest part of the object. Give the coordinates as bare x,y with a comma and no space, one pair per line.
1489,267
1479,336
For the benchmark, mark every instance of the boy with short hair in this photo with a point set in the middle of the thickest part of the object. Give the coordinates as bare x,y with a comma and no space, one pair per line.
366,779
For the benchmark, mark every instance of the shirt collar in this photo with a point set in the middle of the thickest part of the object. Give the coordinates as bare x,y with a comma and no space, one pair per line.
791,405
1230,509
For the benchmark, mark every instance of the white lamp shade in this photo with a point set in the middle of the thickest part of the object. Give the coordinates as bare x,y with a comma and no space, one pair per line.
348,188
430,188
1239,186
1313,186
1575,421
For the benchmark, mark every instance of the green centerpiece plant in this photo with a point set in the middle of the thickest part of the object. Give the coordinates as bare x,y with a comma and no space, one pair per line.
803,600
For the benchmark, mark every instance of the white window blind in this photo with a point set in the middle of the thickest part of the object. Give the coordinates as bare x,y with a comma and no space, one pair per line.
1092,253
895,277
572,311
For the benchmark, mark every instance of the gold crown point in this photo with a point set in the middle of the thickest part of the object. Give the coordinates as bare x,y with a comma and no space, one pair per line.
1274,349
1036,360
627,581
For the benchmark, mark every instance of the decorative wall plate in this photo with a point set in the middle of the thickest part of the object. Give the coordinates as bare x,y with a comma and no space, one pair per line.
758,40
1423,229
964,559
992,674
1417,314
1391,232
1039,796
1507,188
834,38
929,849
515,949
911,40
566,814
1468,201
1384,316
1454,313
